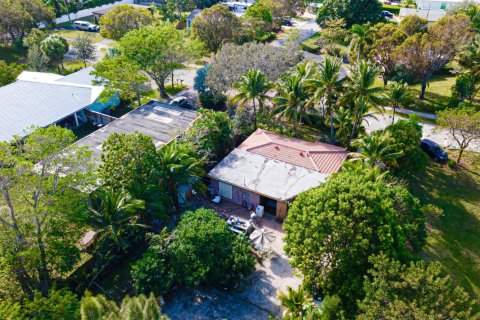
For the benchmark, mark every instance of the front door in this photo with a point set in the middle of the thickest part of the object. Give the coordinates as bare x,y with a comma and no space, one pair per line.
269,204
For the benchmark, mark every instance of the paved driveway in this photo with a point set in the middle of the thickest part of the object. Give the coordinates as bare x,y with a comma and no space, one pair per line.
442,137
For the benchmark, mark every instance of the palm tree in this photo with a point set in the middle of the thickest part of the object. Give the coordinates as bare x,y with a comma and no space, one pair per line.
376,149
296,302
180,167
361,92
252,86
138,307
112,213
343,124
397,95
292,98
361,36
328,85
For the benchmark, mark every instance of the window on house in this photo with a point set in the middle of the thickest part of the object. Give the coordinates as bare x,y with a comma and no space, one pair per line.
225,190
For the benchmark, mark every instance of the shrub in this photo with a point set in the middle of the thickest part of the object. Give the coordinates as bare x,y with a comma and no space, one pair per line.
152,273
214,101
205,252
452,164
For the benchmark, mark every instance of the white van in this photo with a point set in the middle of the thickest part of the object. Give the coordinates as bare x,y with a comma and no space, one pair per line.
85,26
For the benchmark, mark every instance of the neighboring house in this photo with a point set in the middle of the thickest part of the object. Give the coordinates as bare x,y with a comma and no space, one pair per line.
270,170
161,121
440,4
192,17
41,99
431,15
238,7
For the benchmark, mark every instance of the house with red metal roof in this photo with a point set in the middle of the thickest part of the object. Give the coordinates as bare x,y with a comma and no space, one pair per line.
270,170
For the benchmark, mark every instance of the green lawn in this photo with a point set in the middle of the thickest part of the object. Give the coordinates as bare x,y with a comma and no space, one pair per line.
9,55
454,239
309,44
74,34
437,94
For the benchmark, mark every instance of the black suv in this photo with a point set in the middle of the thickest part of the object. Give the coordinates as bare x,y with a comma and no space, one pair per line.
434,151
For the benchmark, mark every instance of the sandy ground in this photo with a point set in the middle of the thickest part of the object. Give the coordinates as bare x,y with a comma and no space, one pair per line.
255,299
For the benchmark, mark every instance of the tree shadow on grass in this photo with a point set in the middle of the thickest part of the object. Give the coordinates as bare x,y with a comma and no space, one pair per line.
455,237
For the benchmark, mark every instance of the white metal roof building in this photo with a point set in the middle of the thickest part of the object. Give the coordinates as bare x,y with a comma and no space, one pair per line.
41,99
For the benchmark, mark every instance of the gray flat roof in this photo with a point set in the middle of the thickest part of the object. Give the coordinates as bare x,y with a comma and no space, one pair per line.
159,120
80,77
266,176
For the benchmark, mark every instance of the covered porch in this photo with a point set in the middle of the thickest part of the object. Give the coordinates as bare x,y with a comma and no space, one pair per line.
227,208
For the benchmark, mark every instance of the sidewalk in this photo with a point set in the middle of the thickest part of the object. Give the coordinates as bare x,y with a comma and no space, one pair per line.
425,115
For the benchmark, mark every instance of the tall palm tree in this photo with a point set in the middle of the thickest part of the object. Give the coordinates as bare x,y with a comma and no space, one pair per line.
292,98
180,167
343,122
327,86
397,95
361,92
376,149
112,213
252,86
361,36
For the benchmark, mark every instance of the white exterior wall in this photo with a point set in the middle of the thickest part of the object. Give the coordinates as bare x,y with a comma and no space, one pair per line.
439,4
88,12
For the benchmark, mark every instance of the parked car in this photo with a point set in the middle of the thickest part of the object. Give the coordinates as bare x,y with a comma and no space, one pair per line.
86,26
434,151
287,22
387,14
179,102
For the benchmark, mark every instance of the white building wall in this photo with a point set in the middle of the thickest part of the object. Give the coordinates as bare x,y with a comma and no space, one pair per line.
88,12
439,4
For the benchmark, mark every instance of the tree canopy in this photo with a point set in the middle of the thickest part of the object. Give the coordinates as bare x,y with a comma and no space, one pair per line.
353,11
158,50
333,229
9,72
122,19
215,26
419,290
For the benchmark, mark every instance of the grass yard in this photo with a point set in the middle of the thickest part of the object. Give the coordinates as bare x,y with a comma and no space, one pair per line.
309,44
454,239
437,94
74,34
10,55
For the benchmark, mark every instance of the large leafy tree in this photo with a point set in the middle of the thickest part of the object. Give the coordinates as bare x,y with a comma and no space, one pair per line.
128,159
253,86
18,17
179,166
84,49
215,26
353,11
463,125
421,55
112,214
333,229
383,50
413,24
159,50
9,72
469,62
39,182
327,85
204,251
122,19
119,74
419,290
